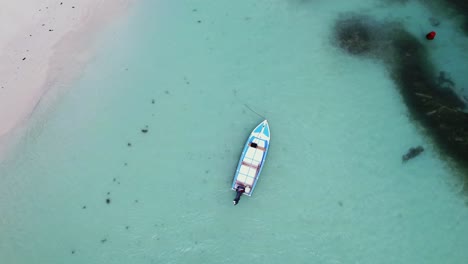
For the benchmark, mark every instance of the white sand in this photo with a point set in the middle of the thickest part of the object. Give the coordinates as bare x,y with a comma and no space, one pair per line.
43,43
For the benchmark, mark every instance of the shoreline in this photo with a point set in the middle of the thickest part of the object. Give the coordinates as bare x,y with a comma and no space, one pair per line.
46,49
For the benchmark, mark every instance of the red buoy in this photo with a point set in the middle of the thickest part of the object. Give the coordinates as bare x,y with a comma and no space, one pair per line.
430,35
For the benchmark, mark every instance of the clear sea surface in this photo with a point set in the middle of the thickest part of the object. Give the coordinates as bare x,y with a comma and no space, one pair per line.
86,185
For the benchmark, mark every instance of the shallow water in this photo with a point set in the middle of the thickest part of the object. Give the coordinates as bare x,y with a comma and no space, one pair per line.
333,189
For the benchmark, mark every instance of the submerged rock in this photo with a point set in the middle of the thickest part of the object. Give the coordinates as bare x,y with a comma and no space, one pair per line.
412,153
434,21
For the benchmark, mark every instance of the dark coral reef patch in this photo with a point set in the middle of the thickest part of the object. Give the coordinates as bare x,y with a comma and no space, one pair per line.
430,102
354,35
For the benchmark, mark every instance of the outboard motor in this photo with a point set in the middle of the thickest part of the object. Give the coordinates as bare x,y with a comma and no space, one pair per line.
239,191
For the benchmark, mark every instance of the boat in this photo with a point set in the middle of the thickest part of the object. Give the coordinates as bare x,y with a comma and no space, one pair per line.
251,161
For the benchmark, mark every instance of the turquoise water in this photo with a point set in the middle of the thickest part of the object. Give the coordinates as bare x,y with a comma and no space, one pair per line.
333,189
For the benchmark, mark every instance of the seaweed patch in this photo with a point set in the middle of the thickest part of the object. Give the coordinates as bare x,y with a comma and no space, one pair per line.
428,94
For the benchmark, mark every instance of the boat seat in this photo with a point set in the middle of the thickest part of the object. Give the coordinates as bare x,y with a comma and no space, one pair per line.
254,156
248,171
245,180
249,181
253,166
256,146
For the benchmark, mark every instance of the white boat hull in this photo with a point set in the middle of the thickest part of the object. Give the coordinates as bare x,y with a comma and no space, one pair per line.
252,159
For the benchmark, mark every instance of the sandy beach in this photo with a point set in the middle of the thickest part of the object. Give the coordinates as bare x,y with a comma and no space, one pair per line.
45,43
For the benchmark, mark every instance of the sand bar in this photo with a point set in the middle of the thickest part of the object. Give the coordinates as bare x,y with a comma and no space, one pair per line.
44,42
